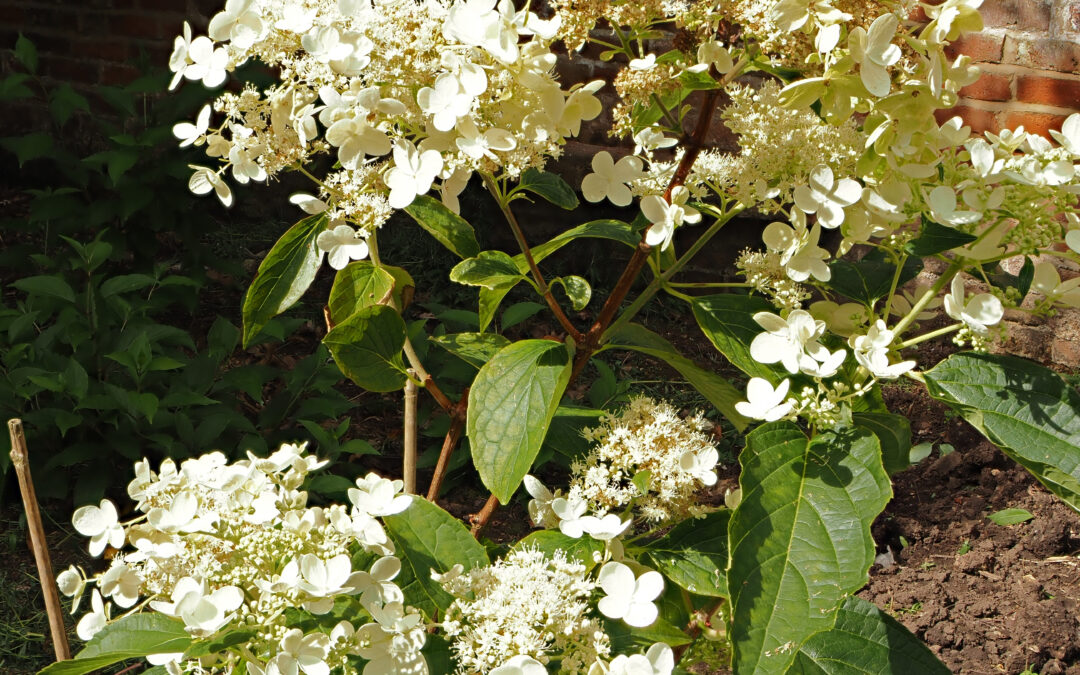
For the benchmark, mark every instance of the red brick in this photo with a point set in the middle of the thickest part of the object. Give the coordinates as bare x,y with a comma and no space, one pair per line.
1043,54
979,46
95,25
989,87
1036,123
68,70
139,26
118,75
104,50
50,19
1056,91
1031,15
978,119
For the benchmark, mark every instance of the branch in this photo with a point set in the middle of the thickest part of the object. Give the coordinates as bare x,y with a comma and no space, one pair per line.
453,435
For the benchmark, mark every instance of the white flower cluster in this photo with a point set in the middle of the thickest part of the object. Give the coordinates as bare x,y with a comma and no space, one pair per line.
524,606
232,546
403,94
647,461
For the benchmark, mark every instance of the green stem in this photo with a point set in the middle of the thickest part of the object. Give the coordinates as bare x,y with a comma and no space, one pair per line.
900,259
929,295
709,284
659,281
929,336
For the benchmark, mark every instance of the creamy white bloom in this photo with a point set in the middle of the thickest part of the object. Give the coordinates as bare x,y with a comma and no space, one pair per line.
239,23
121,583
203,612
570,513
341,244
943,208
763,402
875,52
379,496
204,180
712,53
701,464
412,174
355,138
540,511
609,178
323,580
100,523
629,598
978,313
792,341
1048,282
190,134
477,144
658,660
606,528
665,217
446,102
522,664
1069,136
872,352
92,622
652,138
72,583
826,196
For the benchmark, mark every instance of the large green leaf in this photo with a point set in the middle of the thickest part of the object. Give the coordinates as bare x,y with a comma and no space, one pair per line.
450,229
367,348
694,554
935,238
865,641
511,403
728,321
1026,410
893,432
474,348
870,278
490,269
550,186
565,435
132,636
284,275
800,538
721,393
363,284
428,539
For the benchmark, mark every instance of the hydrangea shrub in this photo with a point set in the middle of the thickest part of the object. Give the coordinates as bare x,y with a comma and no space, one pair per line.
225,568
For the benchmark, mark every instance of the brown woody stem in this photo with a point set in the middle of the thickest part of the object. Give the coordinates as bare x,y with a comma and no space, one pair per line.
457,413
537,276
481,519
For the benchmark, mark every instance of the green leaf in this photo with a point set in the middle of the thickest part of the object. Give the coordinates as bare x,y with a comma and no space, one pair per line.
520,311
428,539
13,87
870,278
51,286
64,101
936,238
360,284
800,538
511,403
694,554
130,637
76,380
450,229
550,186
920,452
26,53
549,541
125,283
564,435
1025,277
1010,516
865,641
721,393
367,348
728,321
490,269
284,275
894,434
28,146
1026,410
577,289
474,348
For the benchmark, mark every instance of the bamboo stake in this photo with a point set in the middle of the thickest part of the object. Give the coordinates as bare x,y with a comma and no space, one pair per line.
19,458
409,455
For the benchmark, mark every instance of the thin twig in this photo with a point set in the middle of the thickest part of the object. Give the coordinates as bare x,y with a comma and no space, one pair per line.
453,435
481,519
20,460
408,460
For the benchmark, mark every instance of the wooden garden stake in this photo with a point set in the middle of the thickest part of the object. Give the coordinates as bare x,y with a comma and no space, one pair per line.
409,458
19,459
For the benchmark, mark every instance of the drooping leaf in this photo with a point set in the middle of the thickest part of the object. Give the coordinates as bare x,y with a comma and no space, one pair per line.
28,146
694,554
1010,516
474,348
935,238
428,539
520,311
129,637
490,269
550,186
564,435
511,403
894,434
47,285
26,53
865,641
577,289
284,275
721,393
549,541
450,229
367,348
363,284
1026,410
800,538
728,321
